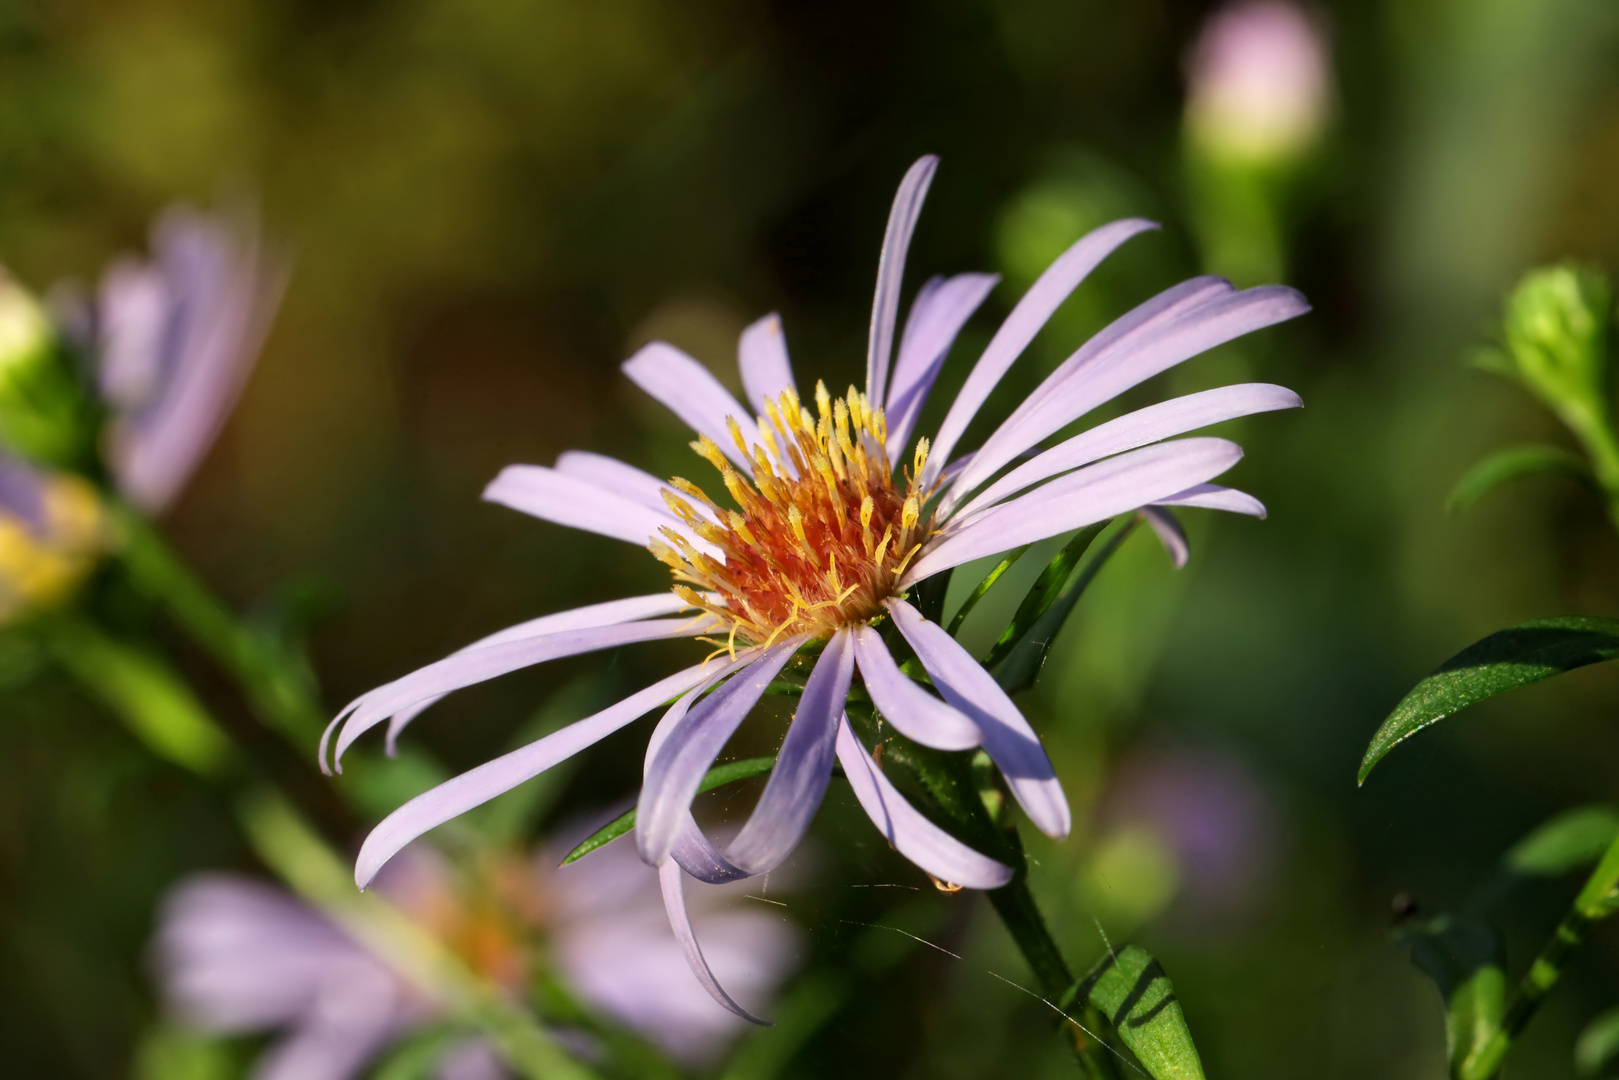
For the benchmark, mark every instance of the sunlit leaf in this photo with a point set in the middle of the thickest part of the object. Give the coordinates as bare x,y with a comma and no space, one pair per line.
1130,988
1503,661
1572,839
718,776
1462,956
1511,464
1597,1051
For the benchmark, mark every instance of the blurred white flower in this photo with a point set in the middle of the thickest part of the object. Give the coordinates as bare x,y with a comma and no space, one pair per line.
237,956
1259,83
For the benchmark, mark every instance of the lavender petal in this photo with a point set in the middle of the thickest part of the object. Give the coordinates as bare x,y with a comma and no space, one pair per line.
913,189
913,711
465,669
674,902
1083,497
1215,497
803,766
1167,527
911,834
1129,360
477,786
691,392
1149,425
937,315
1008,739
580,504
1032,312
622,479
612,613
762,358
675,772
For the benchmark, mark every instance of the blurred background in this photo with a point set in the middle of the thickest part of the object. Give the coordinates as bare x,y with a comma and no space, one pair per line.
490,203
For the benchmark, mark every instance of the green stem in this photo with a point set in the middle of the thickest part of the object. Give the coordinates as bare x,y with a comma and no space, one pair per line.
1598,899
276,689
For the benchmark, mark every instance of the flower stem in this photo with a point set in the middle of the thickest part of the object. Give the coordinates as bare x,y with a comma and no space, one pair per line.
1598,899
276,688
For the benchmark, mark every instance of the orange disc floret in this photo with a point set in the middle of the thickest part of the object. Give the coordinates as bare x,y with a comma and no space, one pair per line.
821,534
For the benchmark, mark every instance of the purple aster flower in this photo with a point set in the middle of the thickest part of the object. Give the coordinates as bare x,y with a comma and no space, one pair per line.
176,338
51,532
1259,81
237,956
825,539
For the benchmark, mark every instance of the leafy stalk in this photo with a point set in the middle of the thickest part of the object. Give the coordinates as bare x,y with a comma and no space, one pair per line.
276,687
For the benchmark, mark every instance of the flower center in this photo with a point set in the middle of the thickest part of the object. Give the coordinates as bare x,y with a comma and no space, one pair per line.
822,534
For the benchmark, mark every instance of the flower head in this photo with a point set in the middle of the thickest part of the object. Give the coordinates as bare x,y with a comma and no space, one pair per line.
823,542
52,530
235,956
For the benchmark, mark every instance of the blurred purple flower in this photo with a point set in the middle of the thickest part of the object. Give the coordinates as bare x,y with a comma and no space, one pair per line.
176,338
51,532
237,956
1212,813
828,541
1258,80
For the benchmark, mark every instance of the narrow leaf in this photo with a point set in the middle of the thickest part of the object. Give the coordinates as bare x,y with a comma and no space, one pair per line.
984,586
1043,593
718,776
1505,660
1572,839
1131,989
1027,655
1511,464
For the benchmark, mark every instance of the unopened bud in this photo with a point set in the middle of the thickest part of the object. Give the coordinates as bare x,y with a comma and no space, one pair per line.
44,415
1258,83
1556,335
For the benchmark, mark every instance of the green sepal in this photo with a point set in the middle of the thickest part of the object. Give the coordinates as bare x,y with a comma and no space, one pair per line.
1513,463
1596,1052
1462,955
718,776
1130,988
1505,660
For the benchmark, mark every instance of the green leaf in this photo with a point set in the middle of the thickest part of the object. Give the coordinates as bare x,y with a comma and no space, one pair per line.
718,776
1511,464
984,586
1043,593
1572,839
154,702
1462,955
1131,989
1505,660
1026,654
1596,1053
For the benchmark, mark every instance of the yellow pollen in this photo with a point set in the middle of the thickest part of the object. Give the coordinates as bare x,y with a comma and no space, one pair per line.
820,533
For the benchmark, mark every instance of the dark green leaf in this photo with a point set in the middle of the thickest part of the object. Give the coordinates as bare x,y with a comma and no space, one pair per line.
984,586
1043,593
1503,661
1512,463
1597,1051
1131,989
1024,658
718,776
1462,956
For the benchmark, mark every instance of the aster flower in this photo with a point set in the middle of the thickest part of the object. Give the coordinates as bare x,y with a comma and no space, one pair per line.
822,545
1259,81
236,955
52,530
175,339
